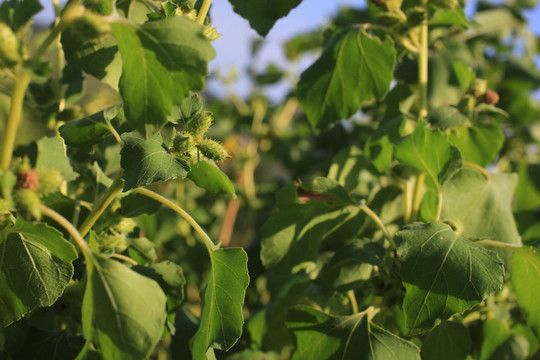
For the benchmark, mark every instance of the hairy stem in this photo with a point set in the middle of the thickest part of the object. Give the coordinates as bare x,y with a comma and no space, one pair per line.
13,119
100,206
352,300
407,201
21,84
423,64
379,223
210,246
62,221
439,205
203,12
417,195
124,258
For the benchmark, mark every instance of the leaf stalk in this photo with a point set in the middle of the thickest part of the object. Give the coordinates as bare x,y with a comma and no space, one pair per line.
423,64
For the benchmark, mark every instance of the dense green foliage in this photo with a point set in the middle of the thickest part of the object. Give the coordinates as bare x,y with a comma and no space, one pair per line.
387,208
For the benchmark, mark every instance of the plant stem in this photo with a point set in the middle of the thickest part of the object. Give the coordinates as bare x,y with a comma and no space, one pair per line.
417,195
352,300
477,167
439,205
407,201
19,89
227,227
59,56
379,223
210,246
423,64
498,244
100,206
124,258
113,131
203,12
13,119
79,240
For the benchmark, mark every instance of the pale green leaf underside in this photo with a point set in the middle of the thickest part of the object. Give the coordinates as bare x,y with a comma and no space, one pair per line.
35,267
147,161
321,336
123,311
443,273
481,208
354,68
52,155
222,318
525,277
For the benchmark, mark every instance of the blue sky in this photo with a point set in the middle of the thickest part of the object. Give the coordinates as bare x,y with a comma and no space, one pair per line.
233,47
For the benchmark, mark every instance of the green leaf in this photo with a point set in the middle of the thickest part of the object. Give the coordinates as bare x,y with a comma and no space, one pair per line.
481,208
346,167
307,217
123,312
380,146
326,337
44,345
52,155
429,151
92,129
162,61
445,117
209,177
171,279
448,341
97,57
17,13
443,273
146,162
262,14
525,277
480,143
35,267
222,318
464,74
355,67
350,266
134,204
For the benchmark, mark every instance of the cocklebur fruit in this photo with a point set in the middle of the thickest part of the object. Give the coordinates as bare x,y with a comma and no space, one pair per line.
125,225
49,181
9,47
183,143
90,26
113,242
199,125
212,150
27,204
210,33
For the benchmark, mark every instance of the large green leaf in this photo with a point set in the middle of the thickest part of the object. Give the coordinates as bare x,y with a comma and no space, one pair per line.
35,267
525,277
429,151
44,345
148,161
326,337
17,13
346,167
98,57
481,208
222,318
479,144
448,341
355,67
91,129
209,177
123,312
262,14
380,146
443,273
52,155
162,61
307,216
